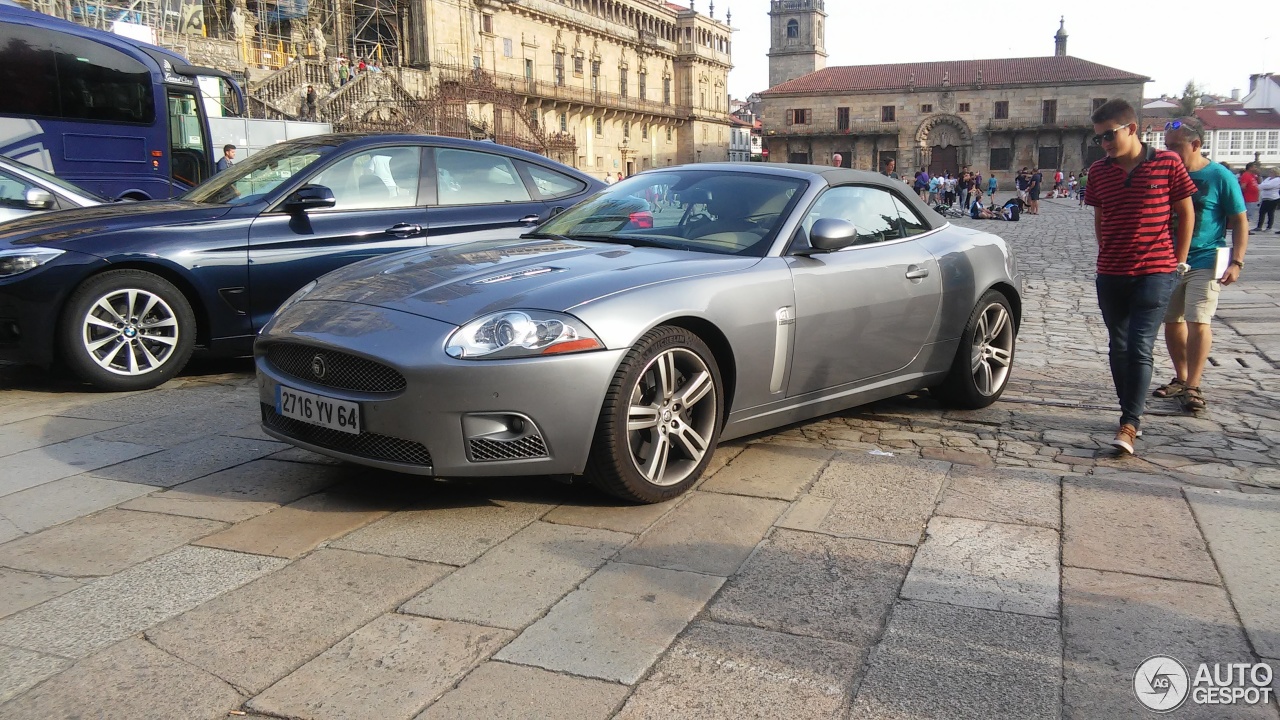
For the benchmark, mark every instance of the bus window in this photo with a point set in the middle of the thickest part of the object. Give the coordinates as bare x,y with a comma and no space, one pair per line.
188,154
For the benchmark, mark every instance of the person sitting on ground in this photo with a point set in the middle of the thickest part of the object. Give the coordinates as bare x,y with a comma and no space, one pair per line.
976,209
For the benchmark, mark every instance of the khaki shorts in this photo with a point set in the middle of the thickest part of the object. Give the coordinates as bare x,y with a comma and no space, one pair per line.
1195,299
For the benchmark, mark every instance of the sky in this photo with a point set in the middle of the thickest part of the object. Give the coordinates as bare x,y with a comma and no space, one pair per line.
1223,46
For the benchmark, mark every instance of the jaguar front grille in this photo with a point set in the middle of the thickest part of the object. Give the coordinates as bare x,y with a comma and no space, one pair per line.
334,369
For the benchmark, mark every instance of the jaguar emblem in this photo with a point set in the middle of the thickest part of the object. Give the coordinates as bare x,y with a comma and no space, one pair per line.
318,368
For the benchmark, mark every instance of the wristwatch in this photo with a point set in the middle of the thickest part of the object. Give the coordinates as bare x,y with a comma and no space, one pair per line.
1238,262
1183,268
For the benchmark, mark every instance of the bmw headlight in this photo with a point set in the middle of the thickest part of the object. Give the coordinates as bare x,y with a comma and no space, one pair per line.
18,261
521,333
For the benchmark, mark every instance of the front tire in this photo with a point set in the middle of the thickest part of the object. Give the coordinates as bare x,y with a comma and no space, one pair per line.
984,360
127,330
661,418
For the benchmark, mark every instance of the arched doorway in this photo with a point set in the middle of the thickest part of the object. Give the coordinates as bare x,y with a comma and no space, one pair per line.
943,144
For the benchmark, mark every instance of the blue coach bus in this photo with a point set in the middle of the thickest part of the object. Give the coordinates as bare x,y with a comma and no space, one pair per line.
121,118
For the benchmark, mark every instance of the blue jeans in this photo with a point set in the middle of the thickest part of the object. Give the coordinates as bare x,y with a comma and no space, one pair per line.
1133,308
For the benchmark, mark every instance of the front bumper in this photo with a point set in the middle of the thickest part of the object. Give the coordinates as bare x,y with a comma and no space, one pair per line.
31,302
450,418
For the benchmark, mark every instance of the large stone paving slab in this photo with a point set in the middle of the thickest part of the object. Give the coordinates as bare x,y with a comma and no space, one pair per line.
38,466
516,582
37,508
616,624
994,566
8,530
221,417
301,526
731,672
102,544
502,691
131,680
48,430
941,661
709,533
816,585
1112,622
770,471
21,669
257,634
241,492
1133,527
458,529
1022,497
1243,532
870,497
189,461
608,514
390,668
21,590
113,608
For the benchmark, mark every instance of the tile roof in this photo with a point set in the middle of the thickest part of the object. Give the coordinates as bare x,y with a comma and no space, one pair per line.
1053,70
1239,118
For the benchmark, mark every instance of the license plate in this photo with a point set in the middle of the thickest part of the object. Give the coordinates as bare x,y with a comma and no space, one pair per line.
326,412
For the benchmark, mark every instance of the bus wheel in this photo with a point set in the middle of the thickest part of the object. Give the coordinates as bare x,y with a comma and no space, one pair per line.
127,330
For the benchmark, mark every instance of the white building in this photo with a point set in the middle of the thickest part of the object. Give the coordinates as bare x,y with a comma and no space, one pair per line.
739,140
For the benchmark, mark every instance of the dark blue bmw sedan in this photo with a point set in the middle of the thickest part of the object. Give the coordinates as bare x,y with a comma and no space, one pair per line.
122,294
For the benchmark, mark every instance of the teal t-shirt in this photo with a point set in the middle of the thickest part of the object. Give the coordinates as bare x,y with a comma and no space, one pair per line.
1216,201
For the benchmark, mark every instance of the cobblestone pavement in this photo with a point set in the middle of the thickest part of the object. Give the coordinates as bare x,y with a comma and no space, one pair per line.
161,558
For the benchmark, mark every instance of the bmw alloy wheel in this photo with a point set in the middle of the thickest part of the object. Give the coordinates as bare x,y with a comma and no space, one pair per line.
130,332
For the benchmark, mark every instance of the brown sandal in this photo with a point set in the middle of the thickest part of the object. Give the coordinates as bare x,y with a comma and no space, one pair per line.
1193,399
1172,389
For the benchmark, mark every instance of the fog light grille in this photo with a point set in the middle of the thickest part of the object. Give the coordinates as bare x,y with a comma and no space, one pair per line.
366,444
488,450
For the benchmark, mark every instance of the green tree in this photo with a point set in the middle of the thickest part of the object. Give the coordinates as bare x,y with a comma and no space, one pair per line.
1190,99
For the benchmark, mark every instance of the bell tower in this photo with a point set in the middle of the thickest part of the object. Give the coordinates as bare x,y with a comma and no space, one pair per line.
798,32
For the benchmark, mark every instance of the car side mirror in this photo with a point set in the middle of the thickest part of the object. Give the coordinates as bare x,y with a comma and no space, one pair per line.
829,235
38,199
309,197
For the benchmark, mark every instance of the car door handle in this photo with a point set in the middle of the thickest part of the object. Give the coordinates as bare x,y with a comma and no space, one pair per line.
404,230
916,273
529,219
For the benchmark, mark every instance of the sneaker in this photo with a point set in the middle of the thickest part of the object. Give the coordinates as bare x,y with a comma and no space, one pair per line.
1125,438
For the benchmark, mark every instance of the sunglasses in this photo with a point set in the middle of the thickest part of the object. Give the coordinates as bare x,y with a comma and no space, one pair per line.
1108,136
1178,124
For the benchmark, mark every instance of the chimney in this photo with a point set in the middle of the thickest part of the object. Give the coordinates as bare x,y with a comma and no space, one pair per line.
1235,94
1060,39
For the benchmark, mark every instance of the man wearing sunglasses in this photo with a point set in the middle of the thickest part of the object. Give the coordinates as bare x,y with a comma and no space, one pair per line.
1135,191
1218,203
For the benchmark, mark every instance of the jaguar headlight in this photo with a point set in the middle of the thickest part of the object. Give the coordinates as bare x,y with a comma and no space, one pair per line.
521,333
17,261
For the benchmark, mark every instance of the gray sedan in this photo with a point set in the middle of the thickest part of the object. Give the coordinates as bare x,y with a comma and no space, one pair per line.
623,339
25,190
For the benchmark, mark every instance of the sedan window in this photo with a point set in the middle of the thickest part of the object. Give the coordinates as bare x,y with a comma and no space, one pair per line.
464,177
871,210
384,177
552,185
13,191
911,222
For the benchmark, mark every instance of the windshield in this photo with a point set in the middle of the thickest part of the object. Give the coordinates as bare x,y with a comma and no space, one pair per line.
731,213
58,182
250,180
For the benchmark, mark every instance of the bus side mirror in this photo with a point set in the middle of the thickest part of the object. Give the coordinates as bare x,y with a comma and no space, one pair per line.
38,199
309,197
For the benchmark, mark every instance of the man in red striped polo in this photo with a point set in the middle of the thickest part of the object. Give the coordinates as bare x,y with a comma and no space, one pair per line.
1136,192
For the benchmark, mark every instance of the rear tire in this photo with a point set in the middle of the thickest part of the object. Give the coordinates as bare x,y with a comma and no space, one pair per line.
984,360
127,330
661,418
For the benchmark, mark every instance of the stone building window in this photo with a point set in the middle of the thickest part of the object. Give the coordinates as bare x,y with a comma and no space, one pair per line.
888,113
626,129
1048,157
578,63
595,76
964,107
507,50
486,23
666,91
642,78
926,108
564,122
557,61
1001,158
842,118
1001,110
668,133
1099,102
599,127
644,131
1049,113
622,82
798,117
793,30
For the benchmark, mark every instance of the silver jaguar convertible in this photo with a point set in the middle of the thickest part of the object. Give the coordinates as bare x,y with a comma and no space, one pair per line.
625,337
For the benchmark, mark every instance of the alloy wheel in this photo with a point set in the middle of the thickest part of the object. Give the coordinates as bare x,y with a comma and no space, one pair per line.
130,332
992,349
671,417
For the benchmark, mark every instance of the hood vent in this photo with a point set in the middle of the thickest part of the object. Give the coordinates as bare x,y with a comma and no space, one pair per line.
516,275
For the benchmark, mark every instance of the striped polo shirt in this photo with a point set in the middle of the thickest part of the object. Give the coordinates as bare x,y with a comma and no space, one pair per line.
1136,236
